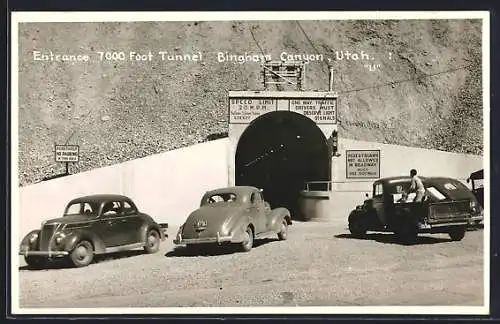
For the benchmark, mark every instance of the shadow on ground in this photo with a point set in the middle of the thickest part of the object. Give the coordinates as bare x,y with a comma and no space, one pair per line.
64,263
389,238
475,227
213,249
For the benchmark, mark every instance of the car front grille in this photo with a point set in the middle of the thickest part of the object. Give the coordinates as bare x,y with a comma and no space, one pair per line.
46,235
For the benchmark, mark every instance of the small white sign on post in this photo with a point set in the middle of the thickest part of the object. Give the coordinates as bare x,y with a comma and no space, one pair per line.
67,153
363,164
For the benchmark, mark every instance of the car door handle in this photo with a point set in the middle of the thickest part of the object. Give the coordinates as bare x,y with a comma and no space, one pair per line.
123,220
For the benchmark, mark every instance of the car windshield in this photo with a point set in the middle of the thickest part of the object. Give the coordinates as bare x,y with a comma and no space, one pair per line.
82,208
222,198
399,187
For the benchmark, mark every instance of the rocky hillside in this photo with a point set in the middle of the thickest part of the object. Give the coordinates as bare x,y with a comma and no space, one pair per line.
425,90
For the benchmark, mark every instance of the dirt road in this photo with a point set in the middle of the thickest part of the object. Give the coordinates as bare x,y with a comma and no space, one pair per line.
319,265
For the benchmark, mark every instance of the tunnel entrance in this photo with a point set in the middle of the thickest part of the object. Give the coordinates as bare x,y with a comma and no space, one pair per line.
280,151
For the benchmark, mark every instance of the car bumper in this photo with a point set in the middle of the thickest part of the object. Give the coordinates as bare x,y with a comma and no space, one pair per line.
48,254
163,230
430,226
476,218
203,240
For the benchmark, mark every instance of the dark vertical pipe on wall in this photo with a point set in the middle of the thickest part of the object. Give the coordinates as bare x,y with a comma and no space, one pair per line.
331,79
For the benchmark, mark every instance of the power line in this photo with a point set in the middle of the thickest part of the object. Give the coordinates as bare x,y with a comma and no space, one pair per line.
391,83
256,42
264,55
310,42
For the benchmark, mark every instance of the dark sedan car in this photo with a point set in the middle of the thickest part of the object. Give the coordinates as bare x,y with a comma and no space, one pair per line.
448,207
90,225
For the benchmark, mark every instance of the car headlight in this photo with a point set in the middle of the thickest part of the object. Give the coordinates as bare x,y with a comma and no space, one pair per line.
473,206
60,238
33,238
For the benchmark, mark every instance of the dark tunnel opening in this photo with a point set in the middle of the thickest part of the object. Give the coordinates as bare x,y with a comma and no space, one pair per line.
279,152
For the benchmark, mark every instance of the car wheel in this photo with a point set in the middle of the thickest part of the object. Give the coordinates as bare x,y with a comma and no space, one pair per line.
247,243
357,228
35,263
83,254
152,242
283,233
457,234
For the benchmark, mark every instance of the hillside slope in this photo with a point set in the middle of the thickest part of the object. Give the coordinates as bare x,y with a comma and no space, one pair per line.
121,110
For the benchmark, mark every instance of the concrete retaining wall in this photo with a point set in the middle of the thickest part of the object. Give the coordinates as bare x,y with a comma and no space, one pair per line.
169,186
394,160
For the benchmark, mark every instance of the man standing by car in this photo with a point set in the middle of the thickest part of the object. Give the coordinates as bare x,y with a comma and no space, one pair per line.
416,186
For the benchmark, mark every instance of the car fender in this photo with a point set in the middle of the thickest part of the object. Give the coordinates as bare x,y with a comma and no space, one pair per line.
25,241
147,226
356,215
276,218
240,228
75,237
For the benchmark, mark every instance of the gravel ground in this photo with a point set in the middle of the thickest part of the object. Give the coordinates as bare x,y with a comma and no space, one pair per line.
319,265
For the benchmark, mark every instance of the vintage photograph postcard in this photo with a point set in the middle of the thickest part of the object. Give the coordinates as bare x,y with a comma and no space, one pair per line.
250,162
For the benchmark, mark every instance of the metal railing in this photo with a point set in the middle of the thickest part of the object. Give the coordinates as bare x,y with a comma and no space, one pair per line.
318,186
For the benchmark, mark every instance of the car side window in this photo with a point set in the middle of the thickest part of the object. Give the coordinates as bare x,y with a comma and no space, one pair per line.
111,208
73,209
127,208
89,209
378,190
215,199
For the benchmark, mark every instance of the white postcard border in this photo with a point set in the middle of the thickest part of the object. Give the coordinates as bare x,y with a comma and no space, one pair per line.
24,17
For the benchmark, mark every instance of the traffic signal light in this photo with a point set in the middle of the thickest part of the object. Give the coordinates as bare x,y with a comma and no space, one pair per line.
335,143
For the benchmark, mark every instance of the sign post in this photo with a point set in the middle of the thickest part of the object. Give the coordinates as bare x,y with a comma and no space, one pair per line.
67,154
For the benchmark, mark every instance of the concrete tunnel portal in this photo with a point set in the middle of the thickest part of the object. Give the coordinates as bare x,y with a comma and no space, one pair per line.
279,152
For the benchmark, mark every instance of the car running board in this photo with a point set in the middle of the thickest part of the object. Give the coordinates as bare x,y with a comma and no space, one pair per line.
124,247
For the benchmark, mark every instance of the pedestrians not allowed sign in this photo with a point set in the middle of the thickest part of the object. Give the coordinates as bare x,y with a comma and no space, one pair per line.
67,153
362,164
